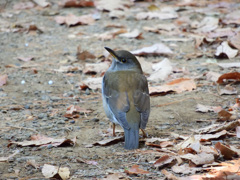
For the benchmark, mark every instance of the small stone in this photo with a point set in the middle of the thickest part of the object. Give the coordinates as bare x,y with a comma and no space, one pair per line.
72,121
95,119
23,82
49,146
50,82
102,123
87,92
61,122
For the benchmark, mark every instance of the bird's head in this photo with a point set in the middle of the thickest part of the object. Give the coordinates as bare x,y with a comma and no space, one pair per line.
124,60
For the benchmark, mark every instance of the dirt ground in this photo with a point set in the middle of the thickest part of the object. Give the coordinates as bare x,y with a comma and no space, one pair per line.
46,102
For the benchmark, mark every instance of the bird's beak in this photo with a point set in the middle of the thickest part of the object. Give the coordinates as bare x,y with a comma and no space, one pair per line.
111,52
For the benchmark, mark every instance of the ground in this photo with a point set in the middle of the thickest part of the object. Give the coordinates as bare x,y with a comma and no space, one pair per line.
32,104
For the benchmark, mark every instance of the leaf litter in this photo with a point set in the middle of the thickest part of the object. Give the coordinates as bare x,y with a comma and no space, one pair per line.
213,29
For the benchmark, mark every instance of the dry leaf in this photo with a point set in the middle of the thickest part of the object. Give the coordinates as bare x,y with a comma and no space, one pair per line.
41,140
161,70
106,142
42,3
225,151
93,83
133,34
96,68
185,169
228,90
83,55
4,159
25,59
33,163
238,131
199,159
235,41
109,5
3,79
135,170
219,127
68,69
164,161
72,20
178,86
207,137
212,76
77,3
229,76
208,24
223,115
204,108
169,175
225,51
50,171
23,5
229,65
73,111
157,15
156,49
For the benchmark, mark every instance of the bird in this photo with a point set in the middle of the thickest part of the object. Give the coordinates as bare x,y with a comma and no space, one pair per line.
125,95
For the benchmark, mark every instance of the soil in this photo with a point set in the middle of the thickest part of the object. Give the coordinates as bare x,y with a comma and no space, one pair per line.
31,103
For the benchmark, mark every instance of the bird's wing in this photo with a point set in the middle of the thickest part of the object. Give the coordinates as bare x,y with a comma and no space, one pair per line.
142,99
117,102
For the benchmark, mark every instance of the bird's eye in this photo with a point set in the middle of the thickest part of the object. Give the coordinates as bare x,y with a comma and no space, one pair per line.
124,60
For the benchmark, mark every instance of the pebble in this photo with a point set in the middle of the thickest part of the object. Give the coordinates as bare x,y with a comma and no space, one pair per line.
61,122
95,119
102,123
49,146
23,82
41,116
72,121
87,92
50,82
27,106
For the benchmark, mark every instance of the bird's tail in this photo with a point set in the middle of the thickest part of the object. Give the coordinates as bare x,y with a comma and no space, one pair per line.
132,137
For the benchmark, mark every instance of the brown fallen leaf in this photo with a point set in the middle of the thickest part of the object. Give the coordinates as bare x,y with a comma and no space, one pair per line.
156,49
72,20
96,68
106,142
169,175
76,3
93,83
133,34
199,159
157,15
161,70
177,85
109,5
42,3
225,51
136,170
42,140
219,127
185,169
3,79
212,76
115,176
229,76
207,137
50,171
25,59
80,160
208,24
224,170
68,69
73,111
228,90
165,161
204,108
223,115
226,151
83,55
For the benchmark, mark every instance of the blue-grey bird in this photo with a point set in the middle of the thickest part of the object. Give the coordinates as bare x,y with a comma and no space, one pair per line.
125,96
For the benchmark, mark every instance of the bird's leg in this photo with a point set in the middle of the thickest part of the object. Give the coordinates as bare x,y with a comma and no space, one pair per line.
114,130
144,134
